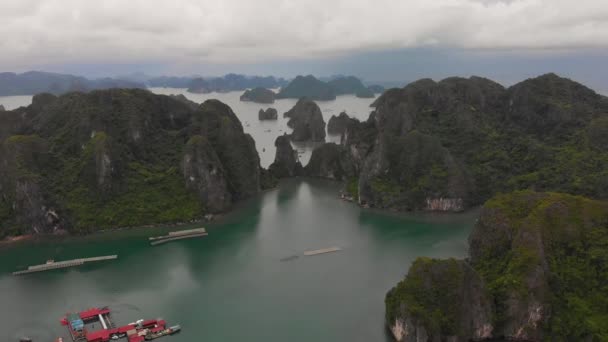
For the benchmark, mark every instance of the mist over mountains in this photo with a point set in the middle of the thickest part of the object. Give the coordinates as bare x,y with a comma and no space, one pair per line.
34,82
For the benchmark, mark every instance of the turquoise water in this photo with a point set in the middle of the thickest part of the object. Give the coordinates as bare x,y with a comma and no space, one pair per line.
232,284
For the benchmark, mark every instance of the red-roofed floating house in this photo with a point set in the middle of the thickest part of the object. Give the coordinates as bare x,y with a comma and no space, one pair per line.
141,330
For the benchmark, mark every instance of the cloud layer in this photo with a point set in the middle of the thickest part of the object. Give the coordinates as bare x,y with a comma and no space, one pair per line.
241,31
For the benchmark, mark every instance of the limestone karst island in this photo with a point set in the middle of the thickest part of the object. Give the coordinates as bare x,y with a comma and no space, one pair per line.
367,171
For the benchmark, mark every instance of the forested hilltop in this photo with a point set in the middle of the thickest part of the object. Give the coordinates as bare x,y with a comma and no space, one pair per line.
453,144
120,157
536,272
536,268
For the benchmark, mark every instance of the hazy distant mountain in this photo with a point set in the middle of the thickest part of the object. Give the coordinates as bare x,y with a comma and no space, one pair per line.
376,89
331,77
35,82
347,85
307,86
169,82
316,89
232,82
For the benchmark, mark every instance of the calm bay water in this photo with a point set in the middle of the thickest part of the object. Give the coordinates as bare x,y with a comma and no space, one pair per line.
232,284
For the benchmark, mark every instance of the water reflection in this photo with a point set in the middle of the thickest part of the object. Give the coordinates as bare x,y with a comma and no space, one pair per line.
236,275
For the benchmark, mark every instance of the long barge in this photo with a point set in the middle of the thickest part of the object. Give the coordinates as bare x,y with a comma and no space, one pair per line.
53,265
79,324
178,235
322,251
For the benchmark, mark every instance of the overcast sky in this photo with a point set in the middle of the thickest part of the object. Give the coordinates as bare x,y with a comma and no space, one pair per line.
289,37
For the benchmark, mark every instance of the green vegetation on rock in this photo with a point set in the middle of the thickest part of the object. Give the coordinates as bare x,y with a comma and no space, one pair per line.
541,259
455,143
564,235
430,296
121,158
309,87
258,95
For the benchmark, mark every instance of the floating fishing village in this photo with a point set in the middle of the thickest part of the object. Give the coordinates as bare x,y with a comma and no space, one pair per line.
96,324
81,325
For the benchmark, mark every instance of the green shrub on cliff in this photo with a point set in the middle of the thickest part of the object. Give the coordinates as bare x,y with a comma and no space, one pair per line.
116,158
541,256
430,296
574,235
543,134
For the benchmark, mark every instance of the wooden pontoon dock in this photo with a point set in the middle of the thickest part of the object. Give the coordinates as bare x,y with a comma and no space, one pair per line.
52,265
178,235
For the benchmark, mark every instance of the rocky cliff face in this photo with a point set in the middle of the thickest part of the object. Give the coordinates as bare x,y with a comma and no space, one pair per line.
337,124
23,202
2,108
286,162
204,174
120,158
306,120
451,144
530,276
413,171
268,114
331,161
258,95
216,121
440,300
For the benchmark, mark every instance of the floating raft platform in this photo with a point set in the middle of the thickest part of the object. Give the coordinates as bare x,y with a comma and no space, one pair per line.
178,235
53,265
322,251
80,327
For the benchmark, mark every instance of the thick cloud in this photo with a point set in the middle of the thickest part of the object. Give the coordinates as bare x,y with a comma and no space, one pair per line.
186,31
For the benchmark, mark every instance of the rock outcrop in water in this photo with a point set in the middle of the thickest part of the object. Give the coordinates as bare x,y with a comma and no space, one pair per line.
2,108
120,158
258,95
268,114
309,87
306,120
286,162
453,144
531,276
